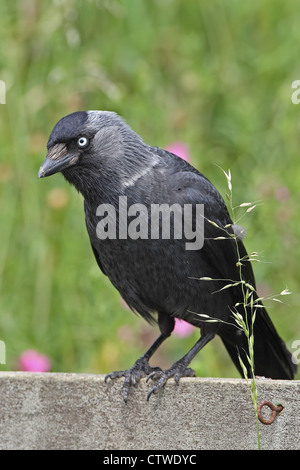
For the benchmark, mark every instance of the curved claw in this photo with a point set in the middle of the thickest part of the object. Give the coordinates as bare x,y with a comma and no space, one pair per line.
155,374
162,377
188,372
161,382
115,375
133,375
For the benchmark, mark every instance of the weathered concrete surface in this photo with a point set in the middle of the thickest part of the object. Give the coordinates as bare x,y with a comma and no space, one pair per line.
79,411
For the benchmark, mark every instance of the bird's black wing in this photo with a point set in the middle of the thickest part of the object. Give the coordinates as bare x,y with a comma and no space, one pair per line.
224,255
187,185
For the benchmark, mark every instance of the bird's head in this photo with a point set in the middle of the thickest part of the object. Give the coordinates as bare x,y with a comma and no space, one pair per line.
81,137
94,145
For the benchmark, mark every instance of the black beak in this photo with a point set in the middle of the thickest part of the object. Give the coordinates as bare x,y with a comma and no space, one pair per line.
57,159
50,167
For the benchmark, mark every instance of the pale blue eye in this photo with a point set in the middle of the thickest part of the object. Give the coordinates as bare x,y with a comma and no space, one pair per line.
82,142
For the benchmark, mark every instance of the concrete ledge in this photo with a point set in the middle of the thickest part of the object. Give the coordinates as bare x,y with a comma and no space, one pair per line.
80,411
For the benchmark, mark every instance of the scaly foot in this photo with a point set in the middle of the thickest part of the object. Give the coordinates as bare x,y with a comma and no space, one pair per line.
177,371
132,376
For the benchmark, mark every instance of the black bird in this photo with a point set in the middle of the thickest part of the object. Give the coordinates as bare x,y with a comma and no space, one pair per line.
98,153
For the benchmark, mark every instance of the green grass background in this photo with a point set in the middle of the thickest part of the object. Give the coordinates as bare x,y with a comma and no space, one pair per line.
215,74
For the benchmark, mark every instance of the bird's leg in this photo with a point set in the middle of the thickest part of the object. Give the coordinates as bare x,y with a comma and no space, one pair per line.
179,369
139,370
142,367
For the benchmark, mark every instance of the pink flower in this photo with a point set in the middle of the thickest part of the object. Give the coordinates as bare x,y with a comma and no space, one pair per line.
182,328
32,361
180,149
282,193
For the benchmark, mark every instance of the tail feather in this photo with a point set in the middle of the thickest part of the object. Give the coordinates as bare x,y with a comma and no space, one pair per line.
271,356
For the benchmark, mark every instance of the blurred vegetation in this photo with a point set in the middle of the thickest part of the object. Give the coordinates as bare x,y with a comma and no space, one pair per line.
214,74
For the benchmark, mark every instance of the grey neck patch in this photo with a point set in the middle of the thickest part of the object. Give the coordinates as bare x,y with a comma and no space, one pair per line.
108,142
139,172
127,182
118,142
103,119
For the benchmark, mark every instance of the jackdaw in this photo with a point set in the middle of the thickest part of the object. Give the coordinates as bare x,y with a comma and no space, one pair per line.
158,276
